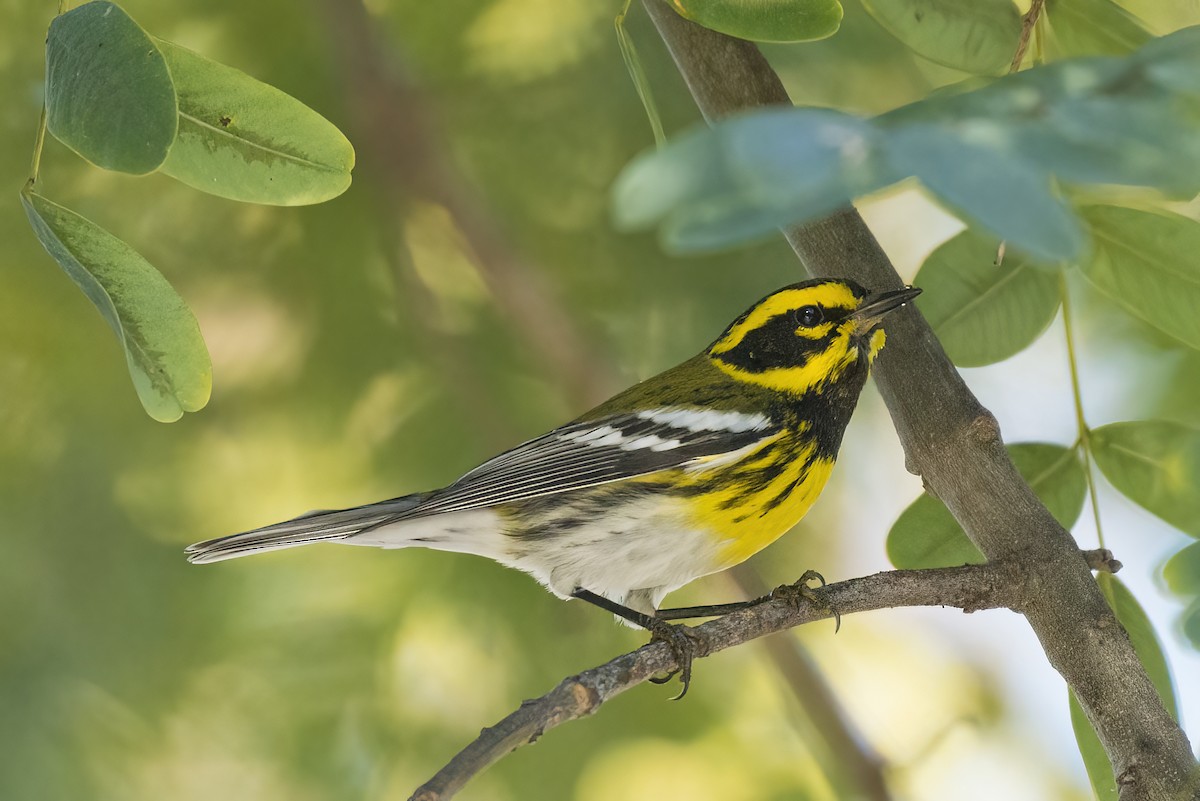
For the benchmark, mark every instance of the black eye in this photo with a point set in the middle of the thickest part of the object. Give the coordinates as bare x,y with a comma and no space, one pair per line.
808,316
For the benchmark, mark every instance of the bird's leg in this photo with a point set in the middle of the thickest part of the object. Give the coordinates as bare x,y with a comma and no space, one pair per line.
792,593
709,610
800,590
681,639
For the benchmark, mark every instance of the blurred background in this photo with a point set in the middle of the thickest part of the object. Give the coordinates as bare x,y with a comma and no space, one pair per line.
467,292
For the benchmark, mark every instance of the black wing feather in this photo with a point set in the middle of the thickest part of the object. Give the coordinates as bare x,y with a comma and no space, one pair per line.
559,462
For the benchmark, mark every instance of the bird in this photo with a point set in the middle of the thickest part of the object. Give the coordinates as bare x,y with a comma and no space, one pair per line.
684,474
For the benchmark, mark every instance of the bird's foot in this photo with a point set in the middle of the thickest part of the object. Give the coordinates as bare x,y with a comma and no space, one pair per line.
802,590
684,643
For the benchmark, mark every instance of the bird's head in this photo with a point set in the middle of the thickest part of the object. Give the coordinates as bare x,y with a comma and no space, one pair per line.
807,336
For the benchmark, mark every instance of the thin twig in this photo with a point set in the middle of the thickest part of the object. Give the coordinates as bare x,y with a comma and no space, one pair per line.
970,588
1028,23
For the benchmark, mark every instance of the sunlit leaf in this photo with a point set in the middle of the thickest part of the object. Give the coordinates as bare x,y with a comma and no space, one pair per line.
166,355
984,313
1146,262
1000,191
242,139
1092,28
1095,760
1149,651
978,37
765,20
1156,464
108,92
1182,571
927,535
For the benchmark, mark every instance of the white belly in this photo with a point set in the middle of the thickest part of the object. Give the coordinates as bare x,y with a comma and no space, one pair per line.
633,554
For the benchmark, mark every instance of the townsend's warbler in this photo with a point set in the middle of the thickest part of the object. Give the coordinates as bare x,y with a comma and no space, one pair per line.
684,474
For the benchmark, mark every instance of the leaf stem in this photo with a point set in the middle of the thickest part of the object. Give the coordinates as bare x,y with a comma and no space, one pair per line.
36,164
633,64
1084,432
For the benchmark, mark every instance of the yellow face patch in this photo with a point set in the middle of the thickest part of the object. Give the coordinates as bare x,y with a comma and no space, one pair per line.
829,296
814,332
878,339
821,368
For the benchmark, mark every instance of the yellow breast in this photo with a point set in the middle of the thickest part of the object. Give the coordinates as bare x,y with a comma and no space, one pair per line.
753,501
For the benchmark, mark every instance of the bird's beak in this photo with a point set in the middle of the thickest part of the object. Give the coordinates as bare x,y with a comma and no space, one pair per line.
873,309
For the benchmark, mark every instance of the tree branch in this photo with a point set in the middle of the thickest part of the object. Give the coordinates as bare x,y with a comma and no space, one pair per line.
954,444
970,588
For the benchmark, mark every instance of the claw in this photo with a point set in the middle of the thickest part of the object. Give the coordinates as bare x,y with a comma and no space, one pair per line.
682,642
793,593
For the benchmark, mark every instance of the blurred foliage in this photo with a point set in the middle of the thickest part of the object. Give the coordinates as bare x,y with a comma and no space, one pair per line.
361,349
994,153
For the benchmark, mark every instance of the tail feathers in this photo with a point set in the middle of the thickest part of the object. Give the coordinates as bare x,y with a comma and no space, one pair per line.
325,525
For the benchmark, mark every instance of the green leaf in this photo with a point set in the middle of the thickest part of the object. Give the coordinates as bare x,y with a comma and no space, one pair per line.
1173,61
980,312
1085,121
1182,571
747,176
1156,464
166,355
242,139
108,92
1143,140
1146,262
765,20
978,37
927,535
993,154
999,190
1092,28
1149,651
1055,475
1095,760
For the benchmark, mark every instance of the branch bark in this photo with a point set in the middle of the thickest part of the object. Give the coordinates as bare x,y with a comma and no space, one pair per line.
954,444
969,588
